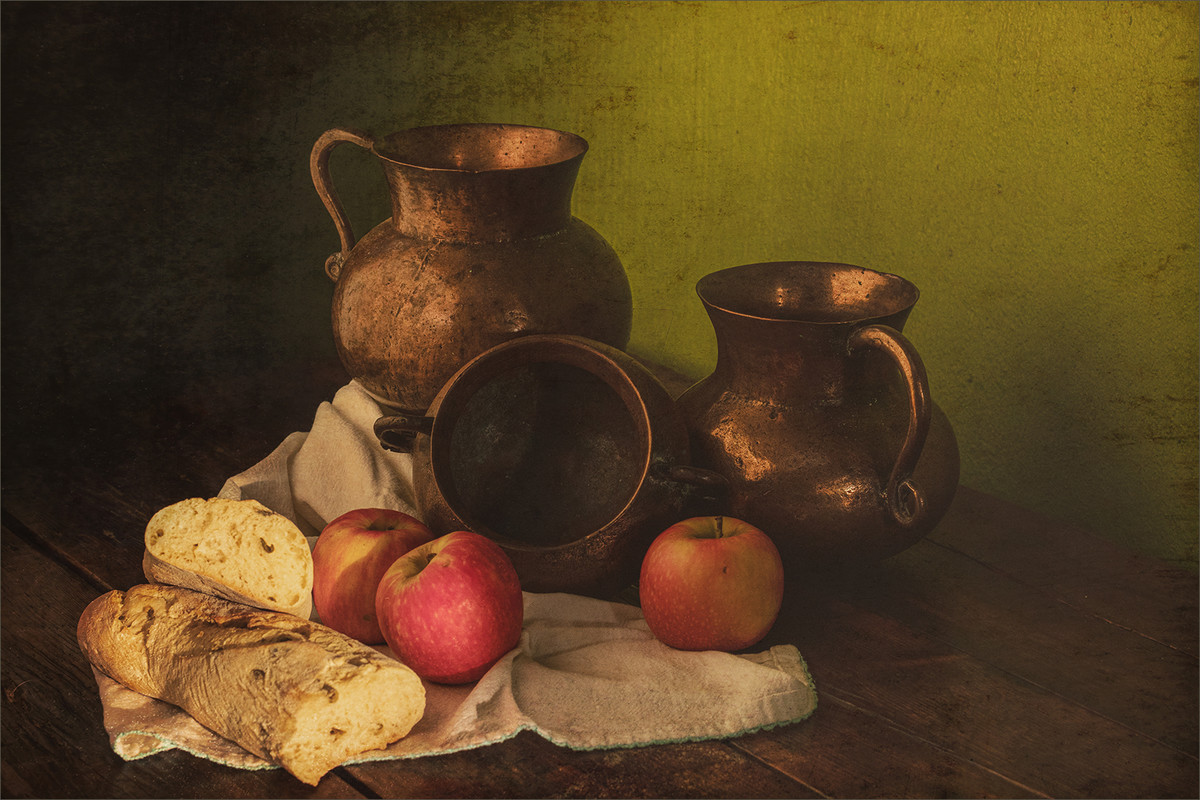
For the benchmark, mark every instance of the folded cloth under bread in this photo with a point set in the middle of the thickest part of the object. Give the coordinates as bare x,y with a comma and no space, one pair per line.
586,674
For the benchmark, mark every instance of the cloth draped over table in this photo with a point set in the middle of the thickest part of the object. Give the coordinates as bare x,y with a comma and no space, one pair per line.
586,673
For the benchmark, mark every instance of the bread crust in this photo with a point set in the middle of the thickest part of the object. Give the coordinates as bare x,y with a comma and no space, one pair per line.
158,571
289,690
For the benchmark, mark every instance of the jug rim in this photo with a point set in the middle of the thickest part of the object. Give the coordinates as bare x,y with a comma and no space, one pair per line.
563,349
807,292
422,155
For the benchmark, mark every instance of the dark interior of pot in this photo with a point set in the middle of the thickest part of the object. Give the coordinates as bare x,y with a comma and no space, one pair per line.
808,291
481,146
542,454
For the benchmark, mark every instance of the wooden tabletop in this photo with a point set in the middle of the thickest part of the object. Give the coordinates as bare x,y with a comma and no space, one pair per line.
1006,655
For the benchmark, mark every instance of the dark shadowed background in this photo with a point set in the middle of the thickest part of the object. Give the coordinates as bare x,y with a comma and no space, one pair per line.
1032,167
155,236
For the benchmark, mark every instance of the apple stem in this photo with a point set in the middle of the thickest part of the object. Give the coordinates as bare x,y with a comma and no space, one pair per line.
428,559
720,527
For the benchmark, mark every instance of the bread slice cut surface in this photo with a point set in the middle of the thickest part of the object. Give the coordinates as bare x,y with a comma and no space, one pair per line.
236,549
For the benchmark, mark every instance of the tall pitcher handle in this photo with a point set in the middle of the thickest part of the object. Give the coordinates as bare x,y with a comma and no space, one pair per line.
318,165
903,499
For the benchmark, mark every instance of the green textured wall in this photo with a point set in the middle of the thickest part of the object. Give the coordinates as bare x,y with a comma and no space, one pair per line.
1032,167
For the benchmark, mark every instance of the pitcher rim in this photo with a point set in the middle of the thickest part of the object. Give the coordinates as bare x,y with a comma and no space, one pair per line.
728,308
581,147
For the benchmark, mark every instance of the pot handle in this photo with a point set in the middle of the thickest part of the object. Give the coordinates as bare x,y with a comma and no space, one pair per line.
902,498
398,432
318,165
704,491
692,476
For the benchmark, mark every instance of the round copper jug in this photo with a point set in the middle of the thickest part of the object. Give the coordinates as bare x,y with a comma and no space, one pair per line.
481,247
818,411
565,451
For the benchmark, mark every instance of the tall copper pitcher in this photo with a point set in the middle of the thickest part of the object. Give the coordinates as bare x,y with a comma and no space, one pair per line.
818,411
481,247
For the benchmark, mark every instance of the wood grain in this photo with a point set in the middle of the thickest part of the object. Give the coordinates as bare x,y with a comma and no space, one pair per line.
993,718
1110,669
1077,568
530,766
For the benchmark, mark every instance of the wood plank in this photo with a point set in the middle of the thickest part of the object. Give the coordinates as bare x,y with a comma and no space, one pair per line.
530,766
98,531
52,733
1080,569
117,475
846,751
985,715
914,690
1111,670
904,749
495,764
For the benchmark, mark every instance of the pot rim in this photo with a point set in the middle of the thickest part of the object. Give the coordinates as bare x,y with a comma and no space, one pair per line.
595,358
782,279
573,146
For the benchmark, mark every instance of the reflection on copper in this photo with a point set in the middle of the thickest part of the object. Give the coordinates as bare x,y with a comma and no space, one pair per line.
818,411
481,227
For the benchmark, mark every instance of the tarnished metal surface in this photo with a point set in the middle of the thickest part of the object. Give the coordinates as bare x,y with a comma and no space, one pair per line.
481,247
818,411
565,451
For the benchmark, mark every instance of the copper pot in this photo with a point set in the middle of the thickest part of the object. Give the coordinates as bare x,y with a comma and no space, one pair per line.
481,247
565,451
818,411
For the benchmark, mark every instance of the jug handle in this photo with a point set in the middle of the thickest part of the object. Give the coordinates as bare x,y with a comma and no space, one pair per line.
318,165
398,432
903,499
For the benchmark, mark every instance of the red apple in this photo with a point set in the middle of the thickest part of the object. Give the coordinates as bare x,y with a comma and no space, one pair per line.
711,583
451,608
351,555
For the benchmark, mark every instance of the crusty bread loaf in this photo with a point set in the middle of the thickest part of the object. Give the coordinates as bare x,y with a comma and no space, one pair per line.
292,691
236,549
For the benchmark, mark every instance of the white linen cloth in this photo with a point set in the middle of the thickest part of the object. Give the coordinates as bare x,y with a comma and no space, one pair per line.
586,673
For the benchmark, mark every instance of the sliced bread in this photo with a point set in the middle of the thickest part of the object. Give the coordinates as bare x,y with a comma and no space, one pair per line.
236,549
